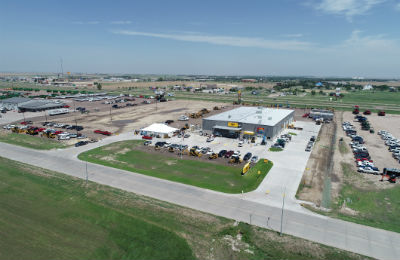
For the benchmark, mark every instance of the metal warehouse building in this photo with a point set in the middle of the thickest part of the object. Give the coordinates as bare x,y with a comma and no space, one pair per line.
321,113
13,103
39,105
260,121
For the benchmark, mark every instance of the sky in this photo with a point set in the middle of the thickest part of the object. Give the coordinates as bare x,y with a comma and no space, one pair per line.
343,38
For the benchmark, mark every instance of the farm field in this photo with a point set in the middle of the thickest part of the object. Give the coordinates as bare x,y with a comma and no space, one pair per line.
225,178
47,215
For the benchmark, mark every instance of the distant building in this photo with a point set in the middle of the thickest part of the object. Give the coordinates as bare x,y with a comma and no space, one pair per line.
319,84
39,105
368,87
321,113
13,103
249,80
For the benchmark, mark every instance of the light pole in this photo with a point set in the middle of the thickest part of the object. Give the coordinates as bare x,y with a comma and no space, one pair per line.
87,175
283,205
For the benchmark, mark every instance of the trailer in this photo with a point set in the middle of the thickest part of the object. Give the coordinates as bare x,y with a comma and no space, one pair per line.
59,111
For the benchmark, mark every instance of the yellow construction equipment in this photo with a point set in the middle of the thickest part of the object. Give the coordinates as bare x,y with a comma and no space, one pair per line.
246,168
157,147
216,108
204,111
194,152
18,130
48,135
235,159
171,150
213,156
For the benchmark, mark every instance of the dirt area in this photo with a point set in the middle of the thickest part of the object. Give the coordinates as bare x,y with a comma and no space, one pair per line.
120,120
318,164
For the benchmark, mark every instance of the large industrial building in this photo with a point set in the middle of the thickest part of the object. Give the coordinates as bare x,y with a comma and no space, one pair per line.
258,121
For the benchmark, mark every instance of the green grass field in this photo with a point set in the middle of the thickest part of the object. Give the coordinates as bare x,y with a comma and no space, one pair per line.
29,141
47,215
369,205
224,178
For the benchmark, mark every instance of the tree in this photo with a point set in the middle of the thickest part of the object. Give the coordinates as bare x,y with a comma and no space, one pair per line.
99,86
313,92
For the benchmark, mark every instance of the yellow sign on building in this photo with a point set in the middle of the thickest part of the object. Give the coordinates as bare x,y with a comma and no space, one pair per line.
233,124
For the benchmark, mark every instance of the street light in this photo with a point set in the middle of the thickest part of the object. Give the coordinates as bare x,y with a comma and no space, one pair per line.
283,205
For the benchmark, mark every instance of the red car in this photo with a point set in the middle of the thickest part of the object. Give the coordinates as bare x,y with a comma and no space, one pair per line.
66,106
229,154
147,137
306,115
102,132
26,123
58,132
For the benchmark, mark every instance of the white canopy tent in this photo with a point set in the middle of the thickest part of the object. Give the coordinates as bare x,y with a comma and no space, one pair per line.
159,129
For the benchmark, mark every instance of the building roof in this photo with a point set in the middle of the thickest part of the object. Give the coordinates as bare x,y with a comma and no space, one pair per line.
39,104
253,115
15,100
227,128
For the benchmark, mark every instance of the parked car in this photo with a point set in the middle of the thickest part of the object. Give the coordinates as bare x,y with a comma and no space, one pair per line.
210,139
102,132
80,143
254,159
222,153
147,137
183,118
147,143
247,156
169,121
229,153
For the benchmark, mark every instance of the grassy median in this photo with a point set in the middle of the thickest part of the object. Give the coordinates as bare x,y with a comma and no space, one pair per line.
34,142
225,178
47,215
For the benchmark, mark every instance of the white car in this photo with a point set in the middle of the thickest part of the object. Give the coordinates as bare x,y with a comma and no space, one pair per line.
183,118
210,139
240,144
8,127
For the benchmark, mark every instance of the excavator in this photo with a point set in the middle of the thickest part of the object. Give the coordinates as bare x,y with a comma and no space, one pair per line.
18,130
195,152
235,159
246,168
213,156
171,149
48,135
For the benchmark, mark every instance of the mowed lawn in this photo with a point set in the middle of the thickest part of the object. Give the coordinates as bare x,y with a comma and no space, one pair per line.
34,142
43,216
225,178
48,215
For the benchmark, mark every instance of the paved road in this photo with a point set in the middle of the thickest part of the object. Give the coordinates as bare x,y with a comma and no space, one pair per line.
297,221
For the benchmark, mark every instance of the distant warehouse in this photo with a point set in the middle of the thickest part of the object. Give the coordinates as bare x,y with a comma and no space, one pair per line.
39,105
260,121
321,113
13,103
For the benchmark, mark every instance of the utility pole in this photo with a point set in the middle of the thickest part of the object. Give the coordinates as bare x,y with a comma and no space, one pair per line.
110,115
283,205
87,175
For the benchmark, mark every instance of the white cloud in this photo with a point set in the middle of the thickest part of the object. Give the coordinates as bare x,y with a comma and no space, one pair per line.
87,22
349,8
121,22
226,40
293,35
398,7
